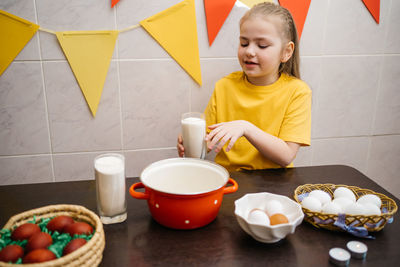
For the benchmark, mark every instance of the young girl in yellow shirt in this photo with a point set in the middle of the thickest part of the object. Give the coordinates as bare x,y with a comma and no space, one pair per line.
259,117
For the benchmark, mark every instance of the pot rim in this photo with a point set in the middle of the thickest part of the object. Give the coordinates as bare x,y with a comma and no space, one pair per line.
185,160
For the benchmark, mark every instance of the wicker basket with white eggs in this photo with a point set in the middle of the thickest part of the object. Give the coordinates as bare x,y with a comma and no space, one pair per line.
323,204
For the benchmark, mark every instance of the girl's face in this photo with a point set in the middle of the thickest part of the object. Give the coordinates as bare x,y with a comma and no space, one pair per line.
262,49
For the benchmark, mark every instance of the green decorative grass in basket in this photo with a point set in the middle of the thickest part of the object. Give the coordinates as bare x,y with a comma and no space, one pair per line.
90,254
355,224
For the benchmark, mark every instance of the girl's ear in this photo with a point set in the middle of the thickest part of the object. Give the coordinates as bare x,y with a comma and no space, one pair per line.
287,52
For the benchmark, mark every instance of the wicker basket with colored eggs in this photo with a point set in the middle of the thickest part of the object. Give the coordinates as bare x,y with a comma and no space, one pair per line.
55,235
344,208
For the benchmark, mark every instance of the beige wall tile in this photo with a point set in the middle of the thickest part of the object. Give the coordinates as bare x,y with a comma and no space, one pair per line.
351,151
304,157
351,29
213,70
392,42
25,169
72,126
23,118
73,15
74,166
387,118
313,31
383,162
152,102
346,97
137,161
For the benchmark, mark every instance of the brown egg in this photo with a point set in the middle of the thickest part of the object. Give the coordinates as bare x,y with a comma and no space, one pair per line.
39,255
278,218
39,240
59,223
11,253
25,231
78,228
74,245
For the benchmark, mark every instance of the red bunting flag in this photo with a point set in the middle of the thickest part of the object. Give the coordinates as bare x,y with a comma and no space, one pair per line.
216,13
114,2
299,10
373,7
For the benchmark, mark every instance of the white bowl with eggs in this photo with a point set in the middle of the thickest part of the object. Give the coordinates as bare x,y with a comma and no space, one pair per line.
253,213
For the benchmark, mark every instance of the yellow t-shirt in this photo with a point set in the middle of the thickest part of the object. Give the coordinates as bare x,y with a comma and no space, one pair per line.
282,109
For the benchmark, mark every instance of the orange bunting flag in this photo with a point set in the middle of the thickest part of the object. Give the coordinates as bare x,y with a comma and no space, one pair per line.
114,2
299,10
15,33
373,7
216,13
89,54
175,29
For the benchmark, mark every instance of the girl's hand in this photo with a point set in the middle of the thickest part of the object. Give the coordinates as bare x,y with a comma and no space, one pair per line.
224,132
179,146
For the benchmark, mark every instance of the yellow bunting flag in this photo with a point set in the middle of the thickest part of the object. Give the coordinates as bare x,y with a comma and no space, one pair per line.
251,3
89,54
176,31
15,33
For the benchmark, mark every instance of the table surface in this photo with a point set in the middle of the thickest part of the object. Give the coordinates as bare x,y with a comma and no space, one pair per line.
140,241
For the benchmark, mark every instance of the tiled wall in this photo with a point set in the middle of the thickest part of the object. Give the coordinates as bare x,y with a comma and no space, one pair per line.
48,134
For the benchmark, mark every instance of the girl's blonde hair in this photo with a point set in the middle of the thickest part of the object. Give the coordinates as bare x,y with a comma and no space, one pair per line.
289,32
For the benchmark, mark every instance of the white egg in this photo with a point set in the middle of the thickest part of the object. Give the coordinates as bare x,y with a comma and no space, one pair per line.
331,208
344,192
257,216
342,202
355,209
273,206
312,204
371,209
370,198
322,196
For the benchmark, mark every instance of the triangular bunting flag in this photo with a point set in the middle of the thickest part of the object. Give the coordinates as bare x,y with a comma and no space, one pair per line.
114,2
299,10
251,3
175,30
373,7
216,14
15,33
89,54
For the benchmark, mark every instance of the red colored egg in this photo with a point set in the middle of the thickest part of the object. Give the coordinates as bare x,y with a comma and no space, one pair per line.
74,245
11,253
39,240
25,231
78,228
39,255
59,223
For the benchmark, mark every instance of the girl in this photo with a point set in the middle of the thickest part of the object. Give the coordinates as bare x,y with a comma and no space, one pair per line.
261,115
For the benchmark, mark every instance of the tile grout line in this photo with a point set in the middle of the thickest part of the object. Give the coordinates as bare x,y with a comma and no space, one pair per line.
45,100
377,94
119,84
88,152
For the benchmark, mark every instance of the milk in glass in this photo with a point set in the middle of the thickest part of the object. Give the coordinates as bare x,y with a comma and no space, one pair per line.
110,187
193,134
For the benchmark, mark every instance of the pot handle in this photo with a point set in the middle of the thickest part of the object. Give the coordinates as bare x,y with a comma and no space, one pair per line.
138,195
231,189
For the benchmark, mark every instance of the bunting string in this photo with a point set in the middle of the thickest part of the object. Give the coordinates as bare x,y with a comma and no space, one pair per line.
123,30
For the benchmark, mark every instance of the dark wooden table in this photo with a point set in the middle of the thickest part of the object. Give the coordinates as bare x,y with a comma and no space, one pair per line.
140,241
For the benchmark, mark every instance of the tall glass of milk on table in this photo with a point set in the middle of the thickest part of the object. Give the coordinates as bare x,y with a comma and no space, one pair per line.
110,187
193,134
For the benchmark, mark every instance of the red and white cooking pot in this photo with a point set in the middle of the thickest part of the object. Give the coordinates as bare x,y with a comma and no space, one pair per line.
184,193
